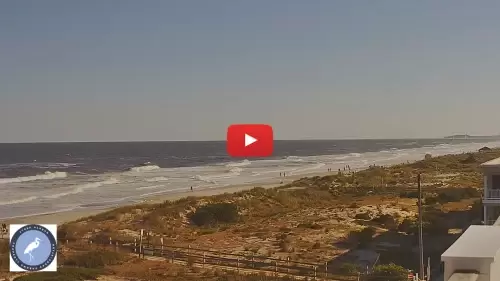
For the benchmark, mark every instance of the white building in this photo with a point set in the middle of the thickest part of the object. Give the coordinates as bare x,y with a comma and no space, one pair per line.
491,195
475,256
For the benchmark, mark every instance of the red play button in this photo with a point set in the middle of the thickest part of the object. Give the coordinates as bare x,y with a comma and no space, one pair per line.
250,140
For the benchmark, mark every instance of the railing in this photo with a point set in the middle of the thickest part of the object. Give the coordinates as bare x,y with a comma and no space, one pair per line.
492,194
242,264
489,222
205,257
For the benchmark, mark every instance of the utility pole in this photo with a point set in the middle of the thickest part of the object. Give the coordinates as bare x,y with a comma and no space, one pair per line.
420,230
140,243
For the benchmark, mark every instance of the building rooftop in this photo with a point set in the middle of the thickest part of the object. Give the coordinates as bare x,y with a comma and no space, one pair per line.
464,277
478,241
494,162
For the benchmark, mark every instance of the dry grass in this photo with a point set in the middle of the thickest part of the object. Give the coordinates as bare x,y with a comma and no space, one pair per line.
304,220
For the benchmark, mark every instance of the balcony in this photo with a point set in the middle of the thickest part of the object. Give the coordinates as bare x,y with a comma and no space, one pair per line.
492,196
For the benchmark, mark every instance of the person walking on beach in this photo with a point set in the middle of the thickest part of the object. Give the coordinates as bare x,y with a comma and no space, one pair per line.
191,188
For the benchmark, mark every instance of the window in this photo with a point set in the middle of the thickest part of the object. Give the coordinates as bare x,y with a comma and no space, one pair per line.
495,182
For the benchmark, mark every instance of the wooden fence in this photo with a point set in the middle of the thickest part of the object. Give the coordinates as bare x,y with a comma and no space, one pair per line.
239,263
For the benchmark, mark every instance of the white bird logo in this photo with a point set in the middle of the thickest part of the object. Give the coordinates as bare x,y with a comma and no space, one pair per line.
33,245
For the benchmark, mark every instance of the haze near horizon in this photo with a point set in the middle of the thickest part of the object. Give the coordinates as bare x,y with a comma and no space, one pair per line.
185,70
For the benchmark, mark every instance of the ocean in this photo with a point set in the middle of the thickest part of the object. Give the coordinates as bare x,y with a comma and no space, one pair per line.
46,178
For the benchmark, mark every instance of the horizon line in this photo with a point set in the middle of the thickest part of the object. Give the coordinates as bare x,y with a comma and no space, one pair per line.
145,141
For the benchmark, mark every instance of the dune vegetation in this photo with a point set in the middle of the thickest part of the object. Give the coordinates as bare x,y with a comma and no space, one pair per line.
322,219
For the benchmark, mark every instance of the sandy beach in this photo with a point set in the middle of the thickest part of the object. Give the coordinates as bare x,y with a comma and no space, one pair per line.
62,217
234,182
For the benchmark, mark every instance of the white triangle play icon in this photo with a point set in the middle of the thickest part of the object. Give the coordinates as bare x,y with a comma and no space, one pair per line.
249,140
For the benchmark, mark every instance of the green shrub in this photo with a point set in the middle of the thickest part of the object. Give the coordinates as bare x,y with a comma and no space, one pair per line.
214,214
348,268
431,200
386,221
388,272
451,194
310,225
362,237
363,216
470,159
94,259
406,226
354,205
409,194
435,225
62,274
366,235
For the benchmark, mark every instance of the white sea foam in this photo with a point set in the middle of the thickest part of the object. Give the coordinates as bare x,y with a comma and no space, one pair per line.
12,202
133,185
80,188
346,156
204,178
294,159
144,168
239,164
150,187
163,191
236,170
342,157
308,168
156,179
46,176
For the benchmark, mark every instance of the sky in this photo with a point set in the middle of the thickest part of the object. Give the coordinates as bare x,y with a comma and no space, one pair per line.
124,70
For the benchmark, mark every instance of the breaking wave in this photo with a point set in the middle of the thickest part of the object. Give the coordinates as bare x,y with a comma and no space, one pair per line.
144,168
156,179
46,176
83,187
341,157
294,159
239,164
150,187
236,170
31,198
203,178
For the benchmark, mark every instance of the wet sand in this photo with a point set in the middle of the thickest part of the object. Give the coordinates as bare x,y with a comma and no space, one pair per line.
63,217
60,218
